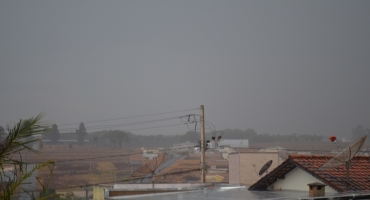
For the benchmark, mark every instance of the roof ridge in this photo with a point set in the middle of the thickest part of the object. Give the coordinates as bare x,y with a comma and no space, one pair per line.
309,156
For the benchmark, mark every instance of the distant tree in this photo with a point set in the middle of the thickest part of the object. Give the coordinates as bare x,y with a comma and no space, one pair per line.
96,140
2,134
359,131
191,136
54,134
250,133
116,137
81,133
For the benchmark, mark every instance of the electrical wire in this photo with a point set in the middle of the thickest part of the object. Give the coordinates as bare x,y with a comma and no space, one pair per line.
125,180
111,156
110,182
104,120
121,124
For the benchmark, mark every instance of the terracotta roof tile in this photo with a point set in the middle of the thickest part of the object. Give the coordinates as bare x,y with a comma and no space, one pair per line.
359,173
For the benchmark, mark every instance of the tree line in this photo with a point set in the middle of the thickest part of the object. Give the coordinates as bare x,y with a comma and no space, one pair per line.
19,139
119,138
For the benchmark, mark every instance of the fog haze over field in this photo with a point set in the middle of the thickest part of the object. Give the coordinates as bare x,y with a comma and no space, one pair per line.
279,67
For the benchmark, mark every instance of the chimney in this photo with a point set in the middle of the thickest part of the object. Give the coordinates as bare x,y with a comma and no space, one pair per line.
316,189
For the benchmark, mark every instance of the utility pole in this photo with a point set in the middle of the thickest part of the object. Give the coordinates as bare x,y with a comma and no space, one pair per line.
202,144
131,174
86,189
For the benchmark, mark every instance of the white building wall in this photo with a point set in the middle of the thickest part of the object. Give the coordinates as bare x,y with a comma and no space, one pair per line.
297,179
234,143
159,186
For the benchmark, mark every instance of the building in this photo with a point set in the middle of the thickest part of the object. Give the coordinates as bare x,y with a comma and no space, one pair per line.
183,147
225,151
233,143
244,167
300,170
150,154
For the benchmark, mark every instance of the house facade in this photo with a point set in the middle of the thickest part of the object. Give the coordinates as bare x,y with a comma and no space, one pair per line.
300,170
244,167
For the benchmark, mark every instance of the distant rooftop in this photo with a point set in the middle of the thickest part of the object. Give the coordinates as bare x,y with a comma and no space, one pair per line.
233,143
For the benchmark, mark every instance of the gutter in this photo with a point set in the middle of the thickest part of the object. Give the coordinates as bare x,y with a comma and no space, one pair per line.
341,196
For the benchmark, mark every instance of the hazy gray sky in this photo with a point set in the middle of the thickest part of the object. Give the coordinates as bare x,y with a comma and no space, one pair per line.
279,67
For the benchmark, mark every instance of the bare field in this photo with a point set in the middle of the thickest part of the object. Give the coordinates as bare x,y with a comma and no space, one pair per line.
80,165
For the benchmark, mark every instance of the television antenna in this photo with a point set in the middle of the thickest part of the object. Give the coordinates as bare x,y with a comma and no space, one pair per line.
264,168
343,157
149,169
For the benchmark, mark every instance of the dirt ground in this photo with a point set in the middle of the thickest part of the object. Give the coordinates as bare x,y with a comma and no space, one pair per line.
80,165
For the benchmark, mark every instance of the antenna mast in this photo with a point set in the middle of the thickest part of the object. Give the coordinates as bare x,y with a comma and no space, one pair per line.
344,157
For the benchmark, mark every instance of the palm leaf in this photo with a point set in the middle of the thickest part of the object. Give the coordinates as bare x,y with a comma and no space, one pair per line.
19,138
18,180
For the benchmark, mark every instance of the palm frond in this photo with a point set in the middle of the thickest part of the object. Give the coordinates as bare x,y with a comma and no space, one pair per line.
19,138
18,179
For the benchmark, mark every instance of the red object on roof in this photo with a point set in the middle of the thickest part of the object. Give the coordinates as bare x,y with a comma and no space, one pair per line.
332,138
359,172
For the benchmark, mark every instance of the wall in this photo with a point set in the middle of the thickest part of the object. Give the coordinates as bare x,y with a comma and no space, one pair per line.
159,186
234,172
242,171
297,179
98,191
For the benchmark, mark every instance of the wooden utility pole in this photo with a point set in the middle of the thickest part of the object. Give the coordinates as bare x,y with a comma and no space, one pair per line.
87,194
202,144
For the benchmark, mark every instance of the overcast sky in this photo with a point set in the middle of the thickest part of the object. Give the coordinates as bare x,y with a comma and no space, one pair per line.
279,67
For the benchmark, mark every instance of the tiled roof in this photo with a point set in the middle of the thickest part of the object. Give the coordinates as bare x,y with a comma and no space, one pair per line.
359,172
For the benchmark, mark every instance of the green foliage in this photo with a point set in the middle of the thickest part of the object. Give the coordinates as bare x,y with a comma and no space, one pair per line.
2,134
253,137
53,134
20,138
359,131
194,136
96,140
191,136
81,133
116,137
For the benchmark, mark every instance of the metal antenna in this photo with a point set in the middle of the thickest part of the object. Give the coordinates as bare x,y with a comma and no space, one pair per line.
344,157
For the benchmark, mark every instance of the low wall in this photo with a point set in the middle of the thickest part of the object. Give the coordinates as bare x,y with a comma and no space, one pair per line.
159,186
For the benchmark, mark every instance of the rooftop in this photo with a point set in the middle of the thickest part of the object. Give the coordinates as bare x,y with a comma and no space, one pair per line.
359,172
225,192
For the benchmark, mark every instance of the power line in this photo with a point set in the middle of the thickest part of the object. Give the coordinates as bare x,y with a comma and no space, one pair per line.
112,156
116,126
127,124
104,120
122,180
169,150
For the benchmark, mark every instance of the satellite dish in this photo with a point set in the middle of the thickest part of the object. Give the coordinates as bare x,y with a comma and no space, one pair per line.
264,168
344,157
